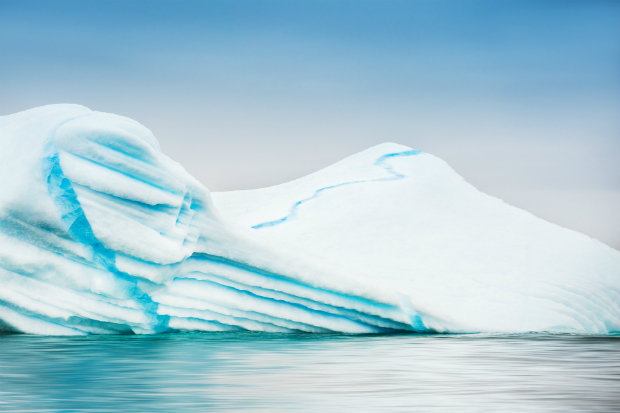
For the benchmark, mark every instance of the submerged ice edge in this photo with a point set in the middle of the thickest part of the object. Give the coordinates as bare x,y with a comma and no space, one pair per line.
380,162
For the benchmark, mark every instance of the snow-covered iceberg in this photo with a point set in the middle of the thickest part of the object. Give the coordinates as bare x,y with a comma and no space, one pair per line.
102,233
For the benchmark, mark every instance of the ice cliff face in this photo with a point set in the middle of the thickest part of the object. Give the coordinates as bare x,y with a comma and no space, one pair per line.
102,233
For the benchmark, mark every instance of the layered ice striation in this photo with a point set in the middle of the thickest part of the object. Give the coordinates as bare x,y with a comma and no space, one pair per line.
100,233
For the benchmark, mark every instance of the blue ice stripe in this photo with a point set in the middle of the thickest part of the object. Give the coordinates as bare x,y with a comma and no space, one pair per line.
380,162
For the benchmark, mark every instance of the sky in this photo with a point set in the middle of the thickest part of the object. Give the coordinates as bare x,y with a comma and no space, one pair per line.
521,98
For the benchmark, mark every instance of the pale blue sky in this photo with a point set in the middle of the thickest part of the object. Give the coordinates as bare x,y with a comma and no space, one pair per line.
522,98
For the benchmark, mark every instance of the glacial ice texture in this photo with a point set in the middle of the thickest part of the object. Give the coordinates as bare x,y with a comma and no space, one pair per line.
100,233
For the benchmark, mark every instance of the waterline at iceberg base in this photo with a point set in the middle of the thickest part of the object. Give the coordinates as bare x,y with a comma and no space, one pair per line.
101,233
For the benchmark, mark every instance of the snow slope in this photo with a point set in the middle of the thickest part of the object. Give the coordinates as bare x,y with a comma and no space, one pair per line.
407,219
100,233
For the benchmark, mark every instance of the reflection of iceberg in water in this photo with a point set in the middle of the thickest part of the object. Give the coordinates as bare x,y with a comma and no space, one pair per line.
102,233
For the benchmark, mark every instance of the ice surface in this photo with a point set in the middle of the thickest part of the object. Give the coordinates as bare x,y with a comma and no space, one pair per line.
100,233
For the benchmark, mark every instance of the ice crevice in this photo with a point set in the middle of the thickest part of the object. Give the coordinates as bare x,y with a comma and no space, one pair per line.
101,233
380,162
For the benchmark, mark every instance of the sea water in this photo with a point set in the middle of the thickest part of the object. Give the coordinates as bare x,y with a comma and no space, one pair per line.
259,372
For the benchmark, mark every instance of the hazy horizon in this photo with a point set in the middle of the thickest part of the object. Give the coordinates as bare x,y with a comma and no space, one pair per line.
521,98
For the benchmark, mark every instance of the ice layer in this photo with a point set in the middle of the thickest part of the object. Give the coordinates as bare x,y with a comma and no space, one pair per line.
100,233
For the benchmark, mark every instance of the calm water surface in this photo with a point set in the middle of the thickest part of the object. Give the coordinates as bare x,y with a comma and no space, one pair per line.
310,373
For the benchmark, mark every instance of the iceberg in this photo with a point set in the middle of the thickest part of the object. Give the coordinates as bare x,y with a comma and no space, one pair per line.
101,233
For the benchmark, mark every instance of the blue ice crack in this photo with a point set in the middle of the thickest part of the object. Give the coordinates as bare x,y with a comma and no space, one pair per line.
380,162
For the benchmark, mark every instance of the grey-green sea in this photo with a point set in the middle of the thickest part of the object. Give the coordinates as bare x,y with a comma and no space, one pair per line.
260,372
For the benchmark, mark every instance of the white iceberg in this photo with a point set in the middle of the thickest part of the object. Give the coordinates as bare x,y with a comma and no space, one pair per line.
100,233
